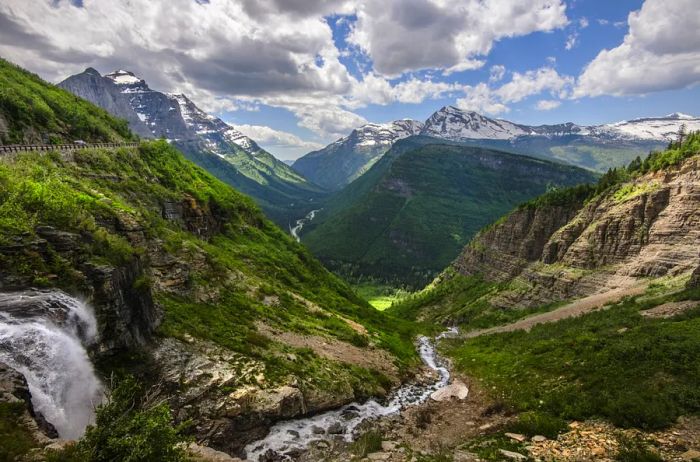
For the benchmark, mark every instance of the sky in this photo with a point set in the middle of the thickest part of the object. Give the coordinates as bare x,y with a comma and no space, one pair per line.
296,75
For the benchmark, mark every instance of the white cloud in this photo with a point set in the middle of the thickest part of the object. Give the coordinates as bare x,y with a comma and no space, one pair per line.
547,104
497,73
661,51
583,22
535,82
374,89
408,35
571,40
229,55
276,138
481,98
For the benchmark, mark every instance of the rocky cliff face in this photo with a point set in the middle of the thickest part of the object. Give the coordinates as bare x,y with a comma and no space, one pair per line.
103,92
646,228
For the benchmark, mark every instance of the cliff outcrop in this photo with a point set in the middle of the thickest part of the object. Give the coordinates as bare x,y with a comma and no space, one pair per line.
647,227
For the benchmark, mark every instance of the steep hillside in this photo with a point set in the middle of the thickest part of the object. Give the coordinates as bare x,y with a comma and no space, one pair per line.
639,222
206,140
193,288
33,112
340,163
584,304
597,147
412,213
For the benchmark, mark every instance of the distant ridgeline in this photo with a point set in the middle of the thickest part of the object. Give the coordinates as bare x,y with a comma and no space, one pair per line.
208,141
408,217
596,147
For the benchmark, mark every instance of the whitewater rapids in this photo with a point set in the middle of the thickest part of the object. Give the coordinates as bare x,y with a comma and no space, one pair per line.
294,435
44,335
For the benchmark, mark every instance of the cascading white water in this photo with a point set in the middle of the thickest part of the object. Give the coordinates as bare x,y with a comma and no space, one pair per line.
297,434
43,335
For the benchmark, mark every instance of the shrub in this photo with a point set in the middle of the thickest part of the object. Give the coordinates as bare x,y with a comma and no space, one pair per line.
635,450
368,442
128,427
533,423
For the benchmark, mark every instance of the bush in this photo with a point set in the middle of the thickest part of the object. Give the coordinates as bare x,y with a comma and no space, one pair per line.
538,423
635,450
128,427
15,439
367,443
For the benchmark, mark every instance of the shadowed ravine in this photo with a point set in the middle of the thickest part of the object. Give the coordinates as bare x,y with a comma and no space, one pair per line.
295,435
43,336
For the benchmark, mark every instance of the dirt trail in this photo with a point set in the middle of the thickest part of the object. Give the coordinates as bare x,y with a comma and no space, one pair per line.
573,309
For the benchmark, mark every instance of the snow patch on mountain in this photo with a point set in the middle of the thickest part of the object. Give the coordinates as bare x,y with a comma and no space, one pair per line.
381,134
455,124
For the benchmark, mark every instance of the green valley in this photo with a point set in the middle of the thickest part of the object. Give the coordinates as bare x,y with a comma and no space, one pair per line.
409,216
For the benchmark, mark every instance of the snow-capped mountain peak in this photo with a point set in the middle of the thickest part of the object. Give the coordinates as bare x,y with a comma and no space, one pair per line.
122,77
455,124
373,134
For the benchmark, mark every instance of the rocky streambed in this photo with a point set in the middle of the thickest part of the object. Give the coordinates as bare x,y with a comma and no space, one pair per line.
288,439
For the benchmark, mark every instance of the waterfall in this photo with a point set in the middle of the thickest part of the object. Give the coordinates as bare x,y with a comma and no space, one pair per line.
43,335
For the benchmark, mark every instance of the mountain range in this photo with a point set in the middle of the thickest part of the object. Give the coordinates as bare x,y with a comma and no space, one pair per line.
410,214
597,147
206,140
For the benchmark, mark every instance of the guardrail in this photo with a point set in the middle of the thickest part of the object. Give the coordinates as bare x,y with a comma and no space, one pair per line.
62,147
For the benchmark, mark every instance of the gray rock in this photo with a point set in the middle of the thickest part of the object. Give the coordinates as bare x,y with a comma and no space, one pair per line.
512,455
336,429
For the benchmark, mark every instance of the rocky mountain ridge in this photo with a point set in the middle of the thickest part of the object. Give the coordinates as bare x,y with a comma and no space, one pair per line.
457,125
349,157
205,139
596,147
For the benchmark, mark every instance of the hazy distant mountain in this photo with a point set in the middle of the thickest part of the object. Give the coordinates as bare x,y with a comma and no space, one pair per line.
207,140
596,147
344,160
454,124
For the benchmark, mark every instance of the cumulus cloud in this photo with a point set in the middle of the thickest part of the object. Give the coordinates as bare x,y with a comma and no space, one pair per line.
481,98
534,82
238,54
490,100
374,89
661,51
547,104
278,138
408,35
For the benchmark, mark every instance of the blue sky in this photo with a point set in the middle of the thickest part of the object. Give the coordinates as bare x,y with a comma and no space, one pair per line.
296,75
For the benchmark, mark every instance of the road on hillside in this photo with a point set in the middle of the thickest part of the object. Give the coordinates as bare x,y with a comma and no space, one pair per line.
9,148
573,309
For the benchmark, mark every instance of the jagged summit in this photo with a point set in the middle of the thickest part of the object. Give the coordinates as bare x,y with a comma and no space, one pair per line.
349,157
455,124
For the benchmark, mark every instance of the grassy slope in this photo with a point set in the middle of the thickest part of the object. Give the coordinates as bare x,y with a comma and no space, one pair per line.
249,260
335,166
32,111
575,150
282,194
613,364
410,215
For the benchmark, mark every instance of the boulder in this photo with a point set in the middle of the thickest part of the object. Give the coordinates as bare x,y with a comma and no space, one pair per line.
457,390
